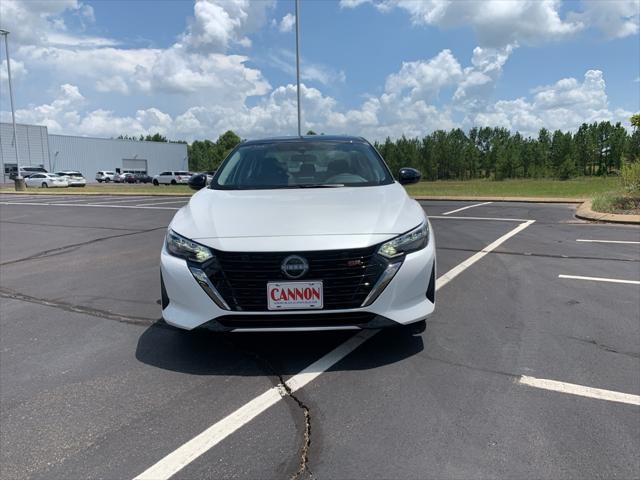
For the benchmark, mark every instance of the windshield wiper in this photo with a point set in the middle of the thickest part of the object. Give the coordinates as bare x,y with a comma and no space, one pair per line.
319,185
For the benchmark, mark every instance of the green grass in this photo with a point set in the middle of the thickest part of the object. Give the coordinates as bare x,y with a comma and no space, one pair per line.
111,188
583,187
616,203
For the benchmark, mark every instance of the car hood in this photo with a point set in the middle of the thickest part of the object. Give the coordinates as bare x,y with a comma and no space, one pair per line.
311,215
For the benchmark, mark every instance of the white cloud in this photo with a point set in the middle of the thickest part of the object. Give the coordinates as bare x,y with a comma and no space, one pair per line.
424,79
18,70
615,18
287,23
284,60
40,22
58,114
565,105
65,115
65,40
506,22
196,67
213,76
114,83
87,13
496,22
478,82
217,24
352,3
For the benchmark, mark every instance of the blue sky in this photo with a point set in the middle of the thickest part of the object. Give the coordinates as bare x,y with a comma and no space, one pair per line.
370,67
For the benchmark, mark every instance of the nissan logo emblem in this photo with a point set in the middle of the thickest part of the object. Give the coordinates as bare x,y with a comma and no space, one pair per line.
294,267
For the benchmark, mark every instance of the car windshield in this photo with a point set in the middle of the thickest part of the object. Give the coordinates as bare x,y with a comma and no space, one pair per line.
302,164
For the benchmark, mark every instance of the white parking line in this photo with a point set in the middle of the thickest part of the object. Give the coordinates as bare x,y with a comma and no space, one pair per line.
608,241
184,200
38,198
600,279
87,205
468,206
581,390
188,452
120,200
83,199
492,219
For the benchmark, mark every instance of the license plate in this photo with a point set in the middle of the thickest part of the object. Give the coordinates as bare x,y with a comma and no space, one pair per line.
294,295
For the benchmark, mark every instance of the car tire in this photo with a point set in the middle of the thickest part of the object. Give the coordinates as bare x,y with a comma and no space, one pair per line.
99,181
173,182
45,185
155,183
416,328
107,180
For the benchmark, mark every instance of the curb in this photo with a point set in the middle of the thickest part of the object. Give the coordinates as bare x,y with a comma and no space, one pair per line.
584,212
501,199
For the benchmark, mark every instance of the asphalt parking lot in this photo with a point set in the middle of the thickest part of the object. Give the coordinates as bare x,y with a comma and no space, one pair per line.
530,367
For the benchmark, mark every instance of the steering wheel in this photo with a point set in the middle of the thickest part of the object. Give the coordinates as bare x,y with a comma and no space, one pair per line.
346,178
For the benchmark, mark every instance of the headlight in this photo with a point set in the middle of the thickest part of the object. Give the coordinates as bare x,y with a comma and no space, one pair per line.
179,246
411,241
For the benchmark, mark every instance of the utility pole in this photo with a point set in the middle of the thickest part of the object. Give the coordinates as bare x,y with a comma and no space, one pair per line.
298,63
19,182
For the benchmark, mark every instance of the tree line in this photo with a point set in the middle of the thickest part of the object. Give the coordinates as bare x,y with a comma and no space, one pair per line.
598,148
594,149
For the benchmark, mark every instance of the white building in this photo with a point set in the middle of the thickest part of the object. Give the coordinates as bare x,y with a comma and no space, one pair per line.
36,147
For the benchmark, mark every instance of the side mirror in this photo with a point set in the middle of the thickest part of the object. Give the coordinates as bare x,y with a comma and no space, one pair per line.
408,176
196,182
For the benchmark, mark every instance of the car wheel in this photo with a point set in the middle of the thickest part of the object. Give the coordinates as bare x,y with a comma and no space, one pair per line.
155,183
44,185
99,181
107,180
416,328
173,182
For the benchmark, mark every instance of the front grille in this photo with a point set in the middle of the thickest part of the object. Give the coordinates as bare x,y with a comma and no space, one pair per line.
347,276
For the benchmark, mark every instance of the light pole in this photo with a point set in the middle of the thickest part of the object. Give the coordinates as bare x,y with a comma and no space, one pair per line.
298,63
19,182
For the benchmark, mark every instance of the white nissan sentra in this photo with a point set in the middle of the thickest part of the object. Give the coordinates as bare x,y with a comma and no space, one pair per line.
301,233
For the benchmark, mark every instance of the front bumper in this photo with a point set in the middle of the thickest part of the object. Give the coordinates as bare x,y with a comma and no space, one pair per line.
408,298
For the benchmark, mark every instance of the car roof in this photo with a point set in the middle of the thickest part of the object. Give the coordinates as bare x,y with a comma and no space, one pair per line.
307,138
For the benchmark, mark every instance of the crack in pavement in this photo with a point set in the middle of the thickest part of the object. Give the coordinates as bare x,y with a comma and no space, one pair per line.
602,346
542,255
69,307
67,226
285,391
61,250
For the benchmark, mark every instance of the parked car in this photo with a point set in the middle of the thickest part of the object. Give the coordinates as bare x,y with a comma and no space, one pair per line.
105,176
172,178
25,172
139,178
73,177
121,177
263,249
198,181
45,180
